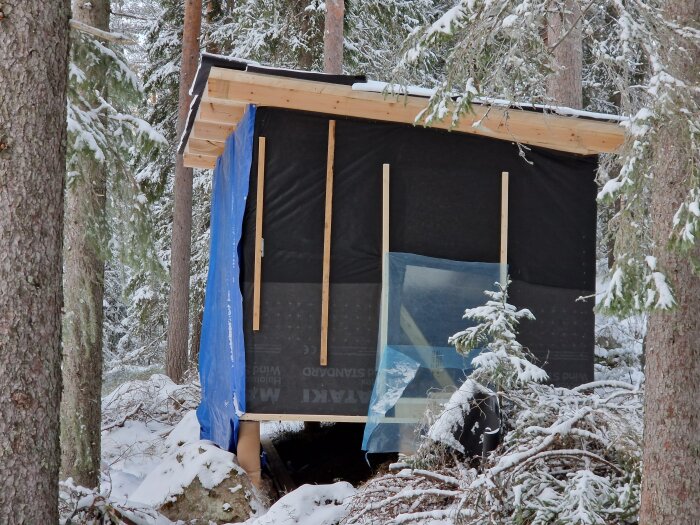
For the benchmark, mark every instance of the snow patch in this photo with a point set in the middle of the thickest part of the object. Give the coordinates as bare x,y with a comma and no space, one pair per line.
201,459
309,505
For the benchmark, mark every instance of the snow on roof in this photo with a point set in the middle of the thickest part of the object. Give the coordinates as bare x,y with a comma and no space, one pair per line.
374,86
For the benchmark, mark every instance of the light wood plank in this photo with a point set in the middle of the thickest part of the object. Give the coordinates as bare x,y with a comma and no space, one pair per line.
193,160
303,417
257,271
504,226
325,286
384,300
205,147
211,131
576,135
385,210
225,112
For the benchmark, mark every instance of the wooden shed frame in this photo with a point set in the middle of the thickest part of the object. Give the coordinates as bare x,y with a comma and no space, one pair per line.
225,87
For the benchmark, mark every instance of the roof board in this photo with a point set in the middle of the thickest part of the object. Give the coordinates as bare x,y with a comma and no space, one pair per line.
223,87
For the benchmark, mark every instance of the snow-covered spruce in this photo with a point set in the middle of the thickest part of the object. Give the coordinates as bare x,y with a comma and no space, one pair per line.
568,455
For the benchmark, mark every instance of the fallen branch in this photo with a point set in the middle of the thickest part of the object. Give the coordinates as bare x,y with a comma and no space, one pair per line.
116,38
120,422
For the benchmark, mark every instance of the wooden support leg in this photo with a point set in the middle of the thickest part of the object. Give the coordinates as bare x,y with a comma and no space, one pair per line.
249,450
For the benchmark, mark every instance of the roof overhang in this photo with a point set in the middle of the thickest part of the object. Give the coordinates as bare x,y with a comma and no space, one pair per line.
223,90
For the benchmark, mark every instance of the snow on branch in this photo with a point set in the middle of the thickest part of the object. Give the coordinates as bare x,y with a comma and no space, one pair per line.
116,38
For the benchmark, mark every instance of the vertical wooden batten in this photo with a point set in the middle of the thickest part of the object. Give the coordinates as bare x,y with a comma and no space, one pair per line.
385,212
257,272
325,287
504,227
384,303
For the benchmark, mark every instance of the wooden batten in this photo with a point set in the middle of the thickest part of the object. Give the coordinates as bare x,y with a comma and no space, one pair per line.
325,283
504,227
227,87
257,270
304,417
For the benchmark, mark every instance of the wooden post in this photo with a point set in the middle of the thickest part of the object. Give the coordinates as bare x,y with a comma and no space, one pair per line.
257,271
325,291
504,228
248,450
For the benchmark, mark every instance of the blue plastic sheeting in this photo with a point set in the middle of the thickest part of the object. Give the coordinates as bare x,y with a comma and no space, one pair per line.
422,305
222,351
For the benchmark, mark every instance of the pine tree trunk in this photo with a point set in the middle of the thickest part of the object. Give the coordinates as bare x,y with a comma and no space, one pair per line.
305,59
33,74
197,335
83,284
333,37
671,462
565,38
178,301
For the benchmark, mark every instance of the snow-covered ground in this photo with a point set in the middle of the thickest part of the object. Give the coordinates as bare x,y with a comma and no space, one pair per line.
151,450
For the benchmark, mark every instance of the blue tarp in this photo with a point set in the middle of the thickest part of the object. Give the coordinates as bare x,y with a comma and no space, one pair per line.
222,353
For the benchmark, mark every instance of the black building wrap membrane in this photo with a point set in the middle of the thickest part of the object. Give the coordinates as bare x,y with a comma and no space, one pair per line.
445,202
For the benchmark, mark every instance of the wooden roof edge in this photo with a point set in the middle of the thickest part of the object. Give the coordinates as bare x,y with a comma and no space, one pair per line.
565,133
227,92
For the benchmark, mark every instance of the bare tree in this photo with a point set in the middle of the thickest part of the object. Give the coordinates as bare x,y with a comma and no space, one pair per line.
178,302
671,462
84,290
333,37
33,74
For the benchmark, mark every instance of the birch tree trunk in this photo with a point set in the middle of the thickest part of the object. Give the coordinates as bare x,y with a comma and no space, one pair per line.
83,285
179,299
333,37
671,461
565,40
33,73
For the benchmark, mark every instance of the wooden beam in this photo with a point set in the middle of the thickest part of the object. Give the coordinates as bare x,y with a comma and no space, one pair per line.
258,234
193,160
211,131
304,417
225,112
575,135
325,286
205,147
504,227
280,475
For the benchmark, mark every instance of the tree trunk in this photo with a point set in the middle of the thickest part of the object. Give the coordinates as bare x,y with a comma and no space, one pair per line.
567,47
33,74
197,336
83,284
333,37
305,58
178,301
671,475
